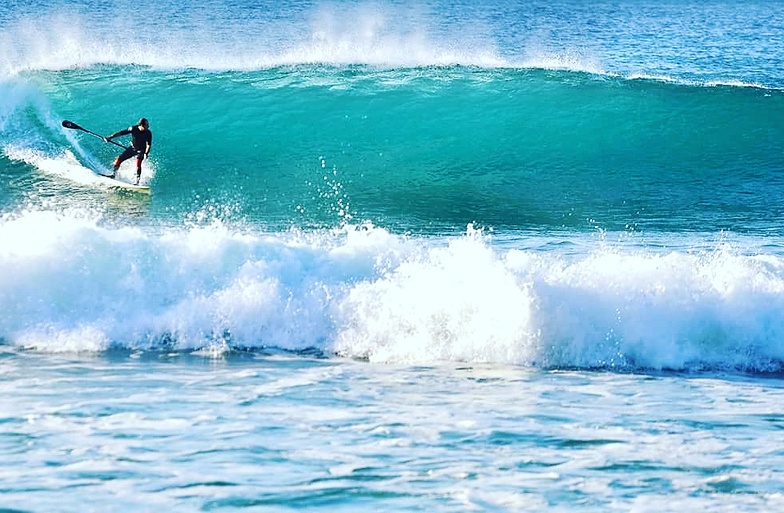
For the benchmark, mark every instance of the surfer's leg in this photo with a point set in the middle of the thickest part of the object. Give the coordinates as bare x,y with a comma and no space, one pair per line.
128,153
139,168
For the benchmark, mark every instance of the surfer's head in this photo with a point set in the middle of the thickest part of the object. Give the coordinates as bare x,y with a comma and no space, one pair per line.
143,122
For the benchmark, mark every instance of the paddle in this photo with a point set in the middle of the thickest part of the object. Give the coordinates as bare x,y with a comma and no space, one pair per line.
74,126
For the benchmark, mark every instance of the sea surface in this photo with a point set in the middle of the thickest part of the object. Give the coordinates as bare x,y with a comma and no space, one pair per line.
398,255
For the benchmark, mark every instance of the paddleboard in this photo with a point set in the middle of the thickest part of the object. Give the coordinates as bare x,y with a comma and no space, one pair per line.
114,182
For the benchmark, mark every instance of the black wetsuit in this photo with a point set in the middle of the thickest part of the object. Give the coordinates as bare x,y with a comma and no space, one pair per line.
139,141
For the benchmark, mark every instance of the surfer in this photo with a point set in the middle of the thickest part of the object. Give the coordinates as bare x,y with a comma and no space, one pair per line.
141,144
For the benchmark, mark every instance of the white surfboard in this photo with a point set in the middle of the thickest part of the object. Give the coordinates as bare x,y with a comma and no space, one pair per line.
114,182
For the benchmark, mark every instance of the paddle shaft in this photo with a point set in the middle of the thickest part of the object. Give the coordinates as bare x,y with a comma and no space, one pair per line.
71,124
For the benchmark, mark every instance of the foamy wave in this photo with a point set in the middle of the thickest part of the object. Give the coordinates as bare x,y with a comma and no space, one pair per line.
361,292
605,310
693,82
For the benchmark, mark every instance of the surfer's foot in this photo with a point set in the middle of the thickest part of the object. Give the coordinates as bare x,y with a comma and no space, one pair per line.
111,175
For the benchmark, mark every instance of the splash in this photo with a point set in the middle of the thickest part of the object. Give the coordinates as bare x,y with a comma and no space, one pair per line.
361,292
382,34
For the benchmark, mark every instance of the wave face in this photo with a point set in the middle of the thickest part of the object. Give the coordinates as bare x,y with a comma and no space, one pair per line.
503,148
551,184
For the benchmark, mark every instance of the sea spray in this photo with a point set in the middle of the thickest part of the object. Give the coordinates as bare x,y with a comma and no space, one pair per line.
363,292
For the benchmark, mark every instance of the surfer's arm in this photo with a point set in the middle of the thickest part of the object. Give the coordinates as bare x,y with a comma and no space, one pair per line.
118,134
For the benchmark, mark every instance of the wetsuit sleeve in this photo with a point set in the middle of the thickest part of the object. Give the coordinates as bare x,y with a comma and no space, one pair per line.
121,132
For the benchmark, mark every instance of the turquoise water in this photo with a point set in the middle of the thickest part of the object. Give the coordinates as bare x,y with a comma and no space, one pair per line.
411,148
397,256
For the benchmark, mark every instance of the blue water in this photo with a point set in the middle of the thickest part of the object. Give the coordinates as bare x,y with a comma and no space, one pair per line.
437,256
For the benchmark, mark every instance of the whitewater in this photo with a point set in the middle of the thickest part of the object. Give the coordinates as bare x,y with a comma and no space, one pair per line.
397,256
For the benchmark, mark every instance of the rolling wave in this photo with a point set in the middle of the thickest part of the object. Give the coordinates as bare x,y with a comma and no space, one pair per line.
362,292
445,145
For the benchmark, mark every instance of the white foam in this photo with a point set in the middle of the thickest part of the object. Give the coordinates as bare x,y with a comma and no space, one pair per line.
65,165
71,283
455,303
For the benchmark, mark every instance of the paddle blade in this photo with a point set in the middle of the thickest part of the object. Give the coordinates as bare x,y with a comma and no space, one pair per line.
71,124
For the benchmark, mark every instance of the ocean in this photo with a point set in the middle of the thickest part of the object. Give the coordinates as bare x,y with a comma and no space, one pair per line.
397,255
